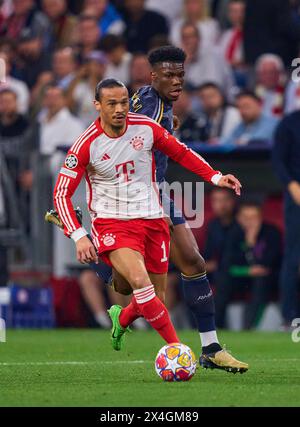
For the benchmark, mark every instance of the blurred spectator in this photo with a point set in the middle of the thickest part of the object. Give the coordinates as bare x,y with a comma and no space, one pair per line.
58,127
19,87
190,124
254,126
139,73
63,23
231,40
169,8
32,60
119,59
81,93
270,83
142,25
270,28
109,20
250,264
16,142
92,287
218,118
88,35
219,10
64,64
25,15
223,205
9,47
203,65
286,159
196,12
2,16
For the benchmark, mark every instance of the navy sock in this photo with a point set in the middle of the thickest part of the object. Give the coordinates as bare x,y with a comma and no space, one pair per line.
199,298
103,271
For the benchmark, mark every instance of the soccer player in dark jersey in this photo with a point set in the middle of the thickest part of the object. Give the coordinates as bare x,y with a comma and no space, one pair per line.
156,101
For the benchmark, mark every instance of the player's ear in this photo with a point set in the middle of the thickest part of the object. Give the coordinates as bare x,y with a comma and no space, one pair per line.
153,75
97,105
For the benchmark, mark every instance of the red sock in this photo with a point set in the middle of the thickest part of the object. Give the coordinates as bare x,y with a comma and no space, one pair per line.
156,314
129,314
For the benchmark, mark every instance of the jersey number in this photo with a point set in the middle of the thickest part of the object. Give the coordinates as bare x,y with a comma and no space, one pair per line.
164,258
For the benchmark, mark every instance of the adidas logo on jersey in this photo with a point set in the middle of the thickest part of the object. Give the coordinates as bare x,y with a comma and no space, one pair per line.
105,157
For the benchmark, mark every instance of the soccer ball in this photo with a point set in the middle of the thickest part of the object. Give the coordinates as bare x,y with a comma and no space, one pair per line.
175,362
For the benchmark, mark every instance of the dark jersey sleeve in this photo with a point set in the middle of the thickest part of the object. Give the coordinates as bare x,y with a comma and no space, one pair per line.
146,101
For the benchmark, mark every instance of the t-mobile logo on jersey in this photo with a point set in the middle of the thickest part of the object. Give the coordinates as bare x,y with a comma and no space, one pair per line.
126,169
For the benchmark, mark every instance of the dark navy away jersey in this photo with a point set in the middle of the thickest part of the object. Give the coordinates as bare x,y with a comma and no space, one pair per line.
147,101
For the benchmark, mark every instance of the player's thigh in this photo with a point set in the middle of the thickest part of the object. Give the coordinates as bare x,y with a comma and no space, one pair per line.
130,264
184,251
160,284
157,245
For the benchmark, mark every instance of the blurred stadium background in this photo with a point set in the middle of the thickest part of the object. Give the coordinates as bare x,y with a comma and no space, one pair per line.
239,88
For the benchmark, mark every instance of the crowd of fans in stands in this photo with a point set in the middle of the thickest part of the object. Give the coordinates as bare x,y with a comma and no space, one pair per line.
238,87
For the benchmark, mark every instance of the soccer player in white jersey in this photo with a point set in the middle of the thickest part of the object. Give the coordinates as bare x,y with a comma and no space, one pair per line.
128,226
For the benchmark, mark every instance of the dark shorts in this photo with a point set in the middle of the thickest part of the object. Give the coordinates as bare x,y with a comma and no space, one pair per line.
171,210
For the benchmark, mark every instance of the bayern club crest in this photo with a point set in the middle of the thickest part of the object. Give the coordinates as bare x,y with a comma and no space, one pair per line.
108,239
137,143
71,161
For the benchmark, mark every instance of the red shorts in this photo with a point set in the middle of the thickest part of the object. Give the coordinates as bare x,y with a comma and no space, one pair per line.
150,237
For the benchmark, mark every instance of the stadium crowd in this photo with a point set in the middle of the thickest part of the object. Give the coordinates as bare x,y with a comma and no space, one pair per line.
242,89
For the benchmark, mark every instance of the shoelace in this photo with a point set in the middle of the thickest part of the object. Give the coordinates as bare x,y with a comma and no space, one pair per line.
225,349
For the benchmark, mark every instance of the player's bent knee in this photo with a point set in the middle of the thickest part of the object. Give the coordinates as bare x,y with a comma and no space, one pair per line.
122,288
193,263
138,281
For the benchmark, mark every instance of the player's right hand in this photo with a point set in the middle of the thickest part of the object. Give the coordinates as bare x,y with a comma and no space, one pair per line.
230,181
85,251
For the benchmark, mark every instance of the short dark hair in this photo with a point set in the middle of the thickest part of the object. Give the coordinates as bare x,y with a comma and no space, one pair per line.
209,85
110,42
244,204
226,190
107,83
166,54
236,1
86,17
248,93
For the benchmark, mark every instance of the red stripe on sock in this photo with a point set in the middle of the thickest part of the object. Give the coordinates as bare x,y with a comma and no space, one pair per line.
156,314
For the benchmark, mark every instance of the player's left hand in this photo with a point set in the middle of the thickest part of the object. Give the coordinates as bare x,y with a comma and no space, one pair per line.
230,181
85,251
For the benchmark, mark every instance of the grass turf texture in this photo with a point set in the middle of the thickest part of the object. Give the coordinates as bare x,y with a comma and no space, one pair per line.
79,368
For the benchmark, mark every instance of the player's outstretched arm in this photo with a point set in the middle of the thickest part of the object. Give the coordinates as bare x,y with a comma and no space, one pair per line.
191,160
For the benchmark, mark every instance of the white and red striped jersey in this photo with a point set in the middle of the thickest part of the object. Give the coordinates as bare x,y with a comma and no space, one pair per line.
120,172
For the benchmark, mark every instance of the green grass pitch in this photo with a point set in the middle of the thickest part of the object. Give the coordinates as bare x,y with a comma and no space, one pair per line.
79,368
